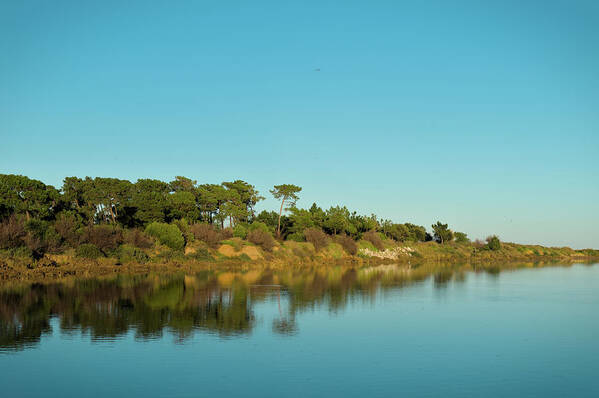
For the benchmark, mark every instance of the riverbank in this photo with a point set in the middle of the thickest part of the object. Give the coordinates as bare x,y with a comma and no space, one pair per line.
238,254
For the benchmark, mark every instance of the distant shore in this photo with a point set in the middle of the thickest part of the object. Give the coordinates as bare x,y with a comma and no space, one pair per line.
239,254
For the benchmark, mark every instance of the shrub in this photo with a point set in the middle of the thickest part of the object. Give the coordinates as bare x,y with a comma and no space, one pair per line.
202,254
167,234
184,228
317,237
88,250
240,231
12,232
67,225
493,243
136,237
257,225
349,245
206,233
261,238
21,252
226,233
105,237
461,237
297,237
374,238
41,237
129,253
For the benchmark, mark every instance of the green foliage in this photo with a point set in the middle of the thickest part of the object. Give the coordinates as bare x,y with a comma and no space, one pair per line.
167,234
493,243
128,253
240,231
87,250
287,193
25,196
442,233
461,237
296,237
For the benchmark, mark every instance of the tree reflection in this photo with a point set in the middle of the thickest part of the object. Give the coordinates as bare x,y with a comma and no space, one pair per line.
220,302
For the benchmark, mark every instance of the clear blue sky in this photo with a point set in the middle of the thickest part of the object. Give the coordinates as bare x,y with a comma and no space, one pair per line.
481,114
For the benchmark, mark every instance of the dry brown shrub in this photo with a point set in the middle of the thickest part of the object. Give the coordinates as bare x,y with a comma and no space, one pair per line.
226,233
262,239
136,237
12,232
206,233
349,245
374,238
319,239
104,237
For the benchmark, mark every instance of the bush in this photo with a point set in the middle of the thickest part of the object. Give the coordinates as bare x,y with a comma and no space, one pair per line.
88,250
297,237
349,245
185,230
240,231
105,237
136,237
261,238
493,243
374,238
167,234
257,225
461,237
206,233
317,237
226,233
67,225
12,232
41,237
129,253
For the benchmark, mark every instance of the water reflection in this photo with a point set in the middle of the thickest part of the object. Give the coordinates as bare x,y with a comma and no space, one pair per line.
221,302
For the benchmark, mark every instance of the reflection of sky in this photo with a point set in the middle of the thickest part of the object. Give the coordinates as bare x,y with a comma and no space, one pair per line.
522,333
480,114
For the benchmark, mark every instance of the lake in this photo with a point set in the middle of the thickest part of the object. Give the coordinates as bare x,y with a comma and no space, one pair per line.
416,331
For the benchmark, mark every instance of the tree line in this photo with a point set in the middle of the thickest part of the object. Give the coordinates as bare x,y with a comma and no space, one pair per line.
39,216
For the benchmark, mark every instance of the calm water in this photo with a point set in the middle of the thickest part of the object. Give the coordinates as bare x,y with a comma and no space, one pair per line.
327,331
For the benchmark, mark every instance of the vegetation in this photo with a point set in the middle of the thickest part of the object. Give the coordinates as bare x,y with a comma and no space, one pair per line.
108,219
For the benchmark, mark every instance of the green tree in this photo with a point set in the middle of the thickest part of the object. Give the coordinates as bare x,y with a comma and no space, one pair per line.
287,193
461,237
442,233
32,198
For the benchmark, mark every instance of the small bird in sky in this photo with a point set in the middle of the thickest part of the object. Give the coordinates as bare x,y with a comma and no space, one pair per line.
317,70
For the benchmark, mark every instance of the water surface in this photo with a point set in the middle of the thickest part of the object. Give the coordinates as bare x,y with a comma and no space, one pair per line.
419,331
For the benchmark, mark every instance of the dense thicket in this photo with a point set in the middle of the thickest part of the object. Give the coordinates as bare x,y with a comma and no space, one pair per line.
107,213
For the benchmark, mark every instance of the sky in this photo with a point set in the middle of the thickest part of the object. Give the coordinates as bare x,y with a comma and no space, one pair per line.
483,115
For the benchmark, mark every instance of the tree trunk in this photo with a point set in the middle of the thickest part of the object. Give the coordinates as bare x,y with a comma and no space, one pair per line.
280,212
